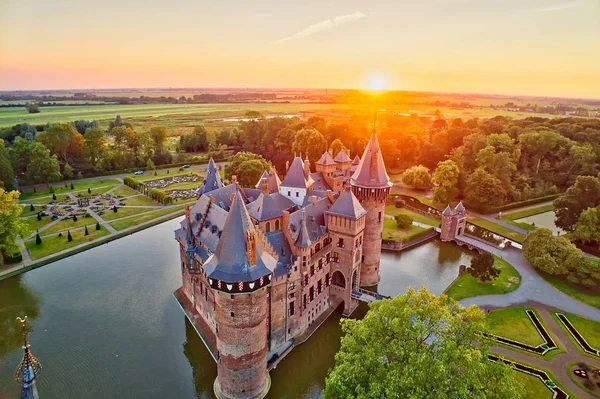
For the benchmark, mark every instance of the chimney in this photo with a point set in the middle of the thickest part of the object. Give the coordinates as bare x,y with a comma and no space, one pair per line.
313,199
287,165
264,187
306,168
233,178
329,195
212,198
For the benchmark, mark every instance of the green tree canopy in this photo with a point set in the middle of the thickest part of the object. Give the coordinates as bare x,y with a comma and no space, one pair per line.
550,254
587,227
445,178
95,144
585,193
311,143
336,146
11,226
483,190
32,162
7,174
482,268
195,141
248,167
403,221
417,177
418,345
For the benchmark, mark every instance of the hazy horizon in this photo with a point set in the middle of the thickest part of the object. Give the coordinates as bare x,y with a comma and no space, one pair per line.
543,48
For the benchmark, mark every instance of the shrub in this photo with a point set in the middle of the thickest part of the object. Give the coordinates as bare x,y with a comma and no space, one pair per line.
114,208
74,218
167,200
86,230
52,191
34,190
180,169
72,186
89,190
38,239
39,216
60,234
97,225
69,237
482,268
403,221
54,197
31,207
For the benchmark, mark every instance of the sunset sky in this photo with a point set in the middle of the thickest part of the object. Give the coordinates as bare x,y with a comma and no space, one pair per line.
537,47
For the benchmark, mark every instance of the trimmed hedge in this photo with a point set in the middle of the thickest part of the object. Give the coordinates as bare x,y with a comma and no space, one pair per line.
519,204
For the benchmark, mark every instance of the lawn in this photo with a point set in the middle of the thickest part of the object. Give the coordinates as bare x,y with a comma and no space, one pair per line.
54,243
392,232
186,185
527,212
27,211
589,329
139,200
67,224
123,212
35,224
95,191
62,189
42,200
467,286
591,298
124,191
417,217
513,323
135,220
498,229
534,387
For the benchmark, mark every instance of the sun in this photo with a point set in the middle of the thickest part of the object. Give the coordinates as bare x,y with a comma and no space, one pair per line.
377,83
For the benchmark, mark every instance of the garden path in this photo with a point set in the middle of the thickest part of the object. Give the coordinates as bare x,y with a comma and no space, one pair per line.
103,222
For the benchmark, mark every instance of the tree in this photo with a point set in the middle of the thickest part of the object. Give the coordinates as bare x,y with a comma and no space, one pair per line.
95,144
585,193
550,254
32,108
68,171
337,146
63,141
159,136
11,226
482,268
69,237
587,228
483,190
310,143
97,225
417,177
403,221
418,345
32,162
7,174
247,166
38,239
445,178
196,141
150,165
86,231
72,186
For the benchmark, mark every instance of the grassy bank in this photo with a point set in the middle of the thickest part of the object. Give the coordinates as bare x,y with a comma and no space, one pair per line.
588,297
124,212
135,220
496,228
513,323
53,244
467,286
62,189
417,217
392,232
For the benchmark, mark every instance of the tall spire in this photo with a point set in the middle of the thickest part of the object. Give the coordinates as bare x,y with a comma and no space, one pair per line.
29,368
370,172
212,180
303,239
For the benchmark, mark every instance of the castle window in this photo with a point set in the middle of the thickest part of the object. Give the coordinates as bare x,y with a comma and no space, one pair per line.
292,309
379,217
311,293
304,301
289,193
268,227
232,314
327,280
312,270
297,194
277,225
319,287
341,242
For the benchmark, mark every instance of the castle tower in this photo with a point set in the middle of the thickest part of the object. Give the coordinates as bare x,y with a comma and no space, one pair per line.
346,225
29,368
447,227
212,181
296,183
371,185
239,273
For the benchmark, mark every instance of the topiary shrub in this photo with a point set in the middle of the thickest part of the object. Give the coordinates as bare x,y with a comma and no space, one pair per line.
54,197
74,218
72,186
97,225
87,233
89,190
31,207
39,216
114,208
403,221
69,237
52,189
38,239
60,234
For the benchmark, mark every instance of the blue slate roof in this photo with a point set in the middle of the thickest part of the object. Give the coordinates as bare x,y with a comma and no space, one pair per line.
371,172
269,206
282,248
212,180
342,157
347,205
315,220
295,176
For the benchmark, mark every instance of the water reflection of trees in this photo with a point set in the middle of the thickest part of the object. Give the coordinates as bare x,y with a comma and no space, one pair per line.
204,368
16,299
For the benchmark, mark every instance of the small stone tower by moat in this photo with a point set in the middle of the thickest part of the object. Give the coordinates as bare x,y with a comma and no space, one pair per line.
371,185
453,222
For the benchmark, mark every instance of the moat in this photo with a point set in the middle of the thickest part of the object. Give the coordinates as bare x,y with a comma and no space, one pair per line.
107,325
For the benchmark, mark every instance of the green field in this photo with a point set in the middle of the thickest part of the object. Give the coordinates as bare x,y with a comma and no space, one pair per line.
124,191
54,243
35,224
534,387
139,200
62,189
589,329
392,232
123,212
513,323
467,286
417,217
135,220
591,298
27,212
67,224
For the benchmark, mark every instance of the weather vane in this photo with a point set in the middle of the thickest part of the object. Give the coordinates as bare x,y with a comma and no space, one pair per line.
29,367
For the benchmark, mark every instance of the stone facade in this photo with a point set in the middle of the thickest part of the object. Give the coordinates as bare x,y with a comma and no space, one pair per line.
454,222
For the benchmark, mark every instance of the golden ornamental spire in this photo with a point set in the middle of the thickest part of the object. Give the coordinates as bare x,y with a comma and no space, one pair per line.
29,367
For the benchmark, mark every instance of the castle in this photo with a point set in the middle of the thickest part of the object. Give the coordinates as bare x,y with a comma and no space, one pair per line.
262,267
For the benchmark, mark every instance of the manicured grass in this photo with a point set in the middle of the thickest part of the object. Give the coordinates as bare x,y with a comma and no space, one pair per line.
498,229
55,243
27,211
417,217
67,224
42,200
467,286
589,329
527,212
61,189
513,323
38,224
534,387
123,212
591,298
187,185
392,232
95,191
124,191
139,200
135,220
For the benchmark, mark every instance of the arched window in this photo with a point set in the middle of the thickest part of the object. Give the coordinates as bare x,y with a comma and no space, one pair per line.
268,227
277,225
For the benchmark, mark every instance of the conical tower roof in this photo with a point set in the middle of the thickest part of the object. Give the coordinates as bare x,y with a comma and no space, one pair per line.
296,176
460,207
326,159
447,211
342,157
347,205
212,180
370,172
356,160
240,256
303,239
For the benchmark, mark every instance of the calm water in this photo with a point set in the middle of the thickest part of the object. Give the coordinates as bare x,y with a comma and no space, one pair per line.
545,220
106,323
